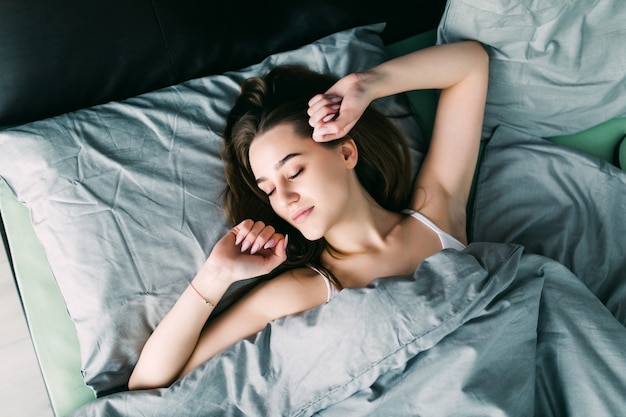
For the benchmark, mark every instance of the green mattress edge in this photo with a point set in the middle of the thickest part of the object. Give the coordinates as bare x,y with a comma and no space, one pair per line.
51,329
606,140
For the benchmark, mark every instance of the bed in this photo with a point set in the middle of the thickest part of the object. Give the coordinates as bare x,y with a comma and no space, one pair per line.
110,201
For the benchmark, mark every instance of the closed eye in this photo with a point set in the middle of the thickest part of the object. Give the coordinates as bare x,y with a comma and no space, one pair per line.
290,178
298,172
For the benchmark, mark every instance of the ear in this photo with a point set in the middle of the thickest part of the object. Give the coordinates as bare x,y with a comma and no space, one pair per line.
350,152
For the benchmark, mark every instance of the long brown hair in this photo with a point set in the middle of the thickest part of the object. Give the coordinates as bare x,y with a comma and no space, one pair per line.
281,96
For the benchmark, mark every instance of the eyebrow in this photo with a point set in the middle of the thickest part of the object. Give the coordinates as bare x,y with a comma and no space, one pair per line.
279,165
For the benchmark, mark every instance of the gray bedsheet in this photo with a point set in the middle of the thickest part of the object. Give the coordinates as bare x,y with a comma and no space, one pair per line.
487,331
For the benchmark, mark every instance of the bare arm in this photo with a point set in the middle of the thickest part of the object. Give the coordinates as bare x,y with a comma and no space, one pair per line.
290,293
445,178
181,341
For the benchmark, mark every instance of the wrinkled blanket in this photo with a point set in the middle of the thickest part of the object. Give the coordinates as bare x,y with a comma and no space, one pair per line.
487,331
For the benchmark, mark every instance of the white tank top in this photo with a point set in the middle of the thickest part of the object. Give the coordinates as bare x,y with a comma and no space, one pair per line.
447,242
332,290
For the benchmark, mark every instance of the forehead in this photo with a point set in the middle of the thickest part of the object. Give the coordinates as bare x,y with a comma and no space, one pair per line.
271,146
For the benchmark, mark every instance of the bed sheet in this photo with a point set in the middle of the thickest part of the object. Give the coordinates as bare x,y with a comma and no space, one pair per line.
489,331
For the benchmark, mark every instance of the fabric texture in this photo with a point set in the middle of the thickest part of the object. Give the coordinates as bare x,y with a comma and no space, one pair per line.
559,203
491,330
469,332
557,67
125,197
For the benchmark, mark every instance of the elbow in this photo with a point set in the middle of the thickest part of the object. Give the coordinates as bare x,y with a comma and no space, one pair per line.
142,380
478,64
477,54
482,57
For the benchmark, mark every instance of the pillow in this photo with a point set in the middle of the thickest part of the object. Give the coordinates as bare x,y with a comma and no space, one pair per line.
125,196
557,67
565,205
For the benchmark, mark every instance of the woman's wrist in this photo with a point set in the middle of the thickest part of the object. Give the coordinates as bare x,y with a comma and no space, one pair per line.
371,82
210,283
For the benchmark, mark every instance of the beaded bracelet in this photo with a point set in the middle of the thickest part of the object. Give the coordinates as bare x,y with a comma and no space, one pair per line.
207,302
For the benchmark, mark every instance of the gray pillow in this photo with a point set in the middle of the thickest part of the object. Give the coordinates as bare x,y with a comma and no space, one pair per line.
557,67
125,196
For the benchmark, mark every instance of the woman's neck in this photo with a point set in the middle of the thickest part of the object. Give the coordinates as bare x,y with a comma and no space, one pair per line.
363,229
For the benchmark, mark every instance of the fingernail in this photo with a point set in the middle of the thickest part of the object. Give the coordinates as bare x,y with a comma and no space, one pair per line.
245,246
238,239
269,244
255,248
286,242
327,118
321,131
335,99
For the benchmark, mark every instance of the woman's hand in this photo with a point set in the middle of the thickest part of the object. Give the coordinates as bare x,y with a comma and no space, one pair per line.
335,112
248,250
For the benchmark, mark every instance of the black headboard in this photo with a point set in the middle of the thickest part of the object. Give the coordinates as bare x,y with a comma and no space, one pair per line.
62,55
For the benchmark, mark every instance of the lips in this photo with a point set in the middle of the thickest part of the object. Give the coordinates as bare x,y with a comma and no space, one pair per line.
301,215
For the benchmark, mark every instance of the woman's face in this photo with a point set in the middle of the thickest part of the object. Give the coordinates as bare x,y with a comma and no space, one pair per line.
309,185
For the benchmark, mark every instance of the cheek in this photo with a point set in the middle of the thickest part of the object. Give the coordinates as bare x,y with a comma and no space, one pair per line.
333,180
278,209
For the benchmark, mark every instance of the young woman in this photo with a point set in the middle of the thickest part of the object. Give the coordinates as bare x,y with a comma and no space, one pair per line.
319,189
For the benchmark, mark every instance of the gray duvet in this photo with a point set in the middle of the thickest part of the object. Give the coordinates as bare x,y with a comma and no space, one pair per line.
490,331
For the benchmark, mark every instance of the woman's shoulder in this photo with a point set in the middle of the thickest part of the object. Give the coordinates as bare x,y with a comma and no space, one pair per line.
293,291
304,277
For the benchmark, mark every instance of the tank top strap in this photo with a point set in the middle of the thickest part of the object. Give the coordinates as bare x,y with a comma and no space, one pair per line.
447,240
330,287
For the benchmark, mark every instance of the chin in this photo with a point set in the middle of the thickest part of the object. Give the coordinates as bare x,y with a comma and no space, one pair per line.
311,234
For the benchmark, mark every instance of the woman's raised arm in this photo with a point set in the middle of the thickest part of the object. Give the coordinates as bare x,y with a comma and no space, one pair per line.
460,71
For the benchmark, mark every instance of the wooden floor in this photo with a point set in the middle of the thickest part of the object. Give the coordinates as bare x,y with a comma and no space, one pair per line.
22,392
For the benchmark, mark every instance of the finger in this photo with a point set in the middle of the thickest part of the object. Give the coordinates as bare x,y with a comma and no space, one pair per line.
273,257
262,238
330,116
315,100
280,250
319,113
273,241
241,230
336,128
251,236
328,131
320,100
323,111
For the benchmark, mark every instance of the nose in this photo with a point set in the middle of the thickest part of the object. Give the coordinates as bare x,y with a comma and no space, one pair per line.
286,195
